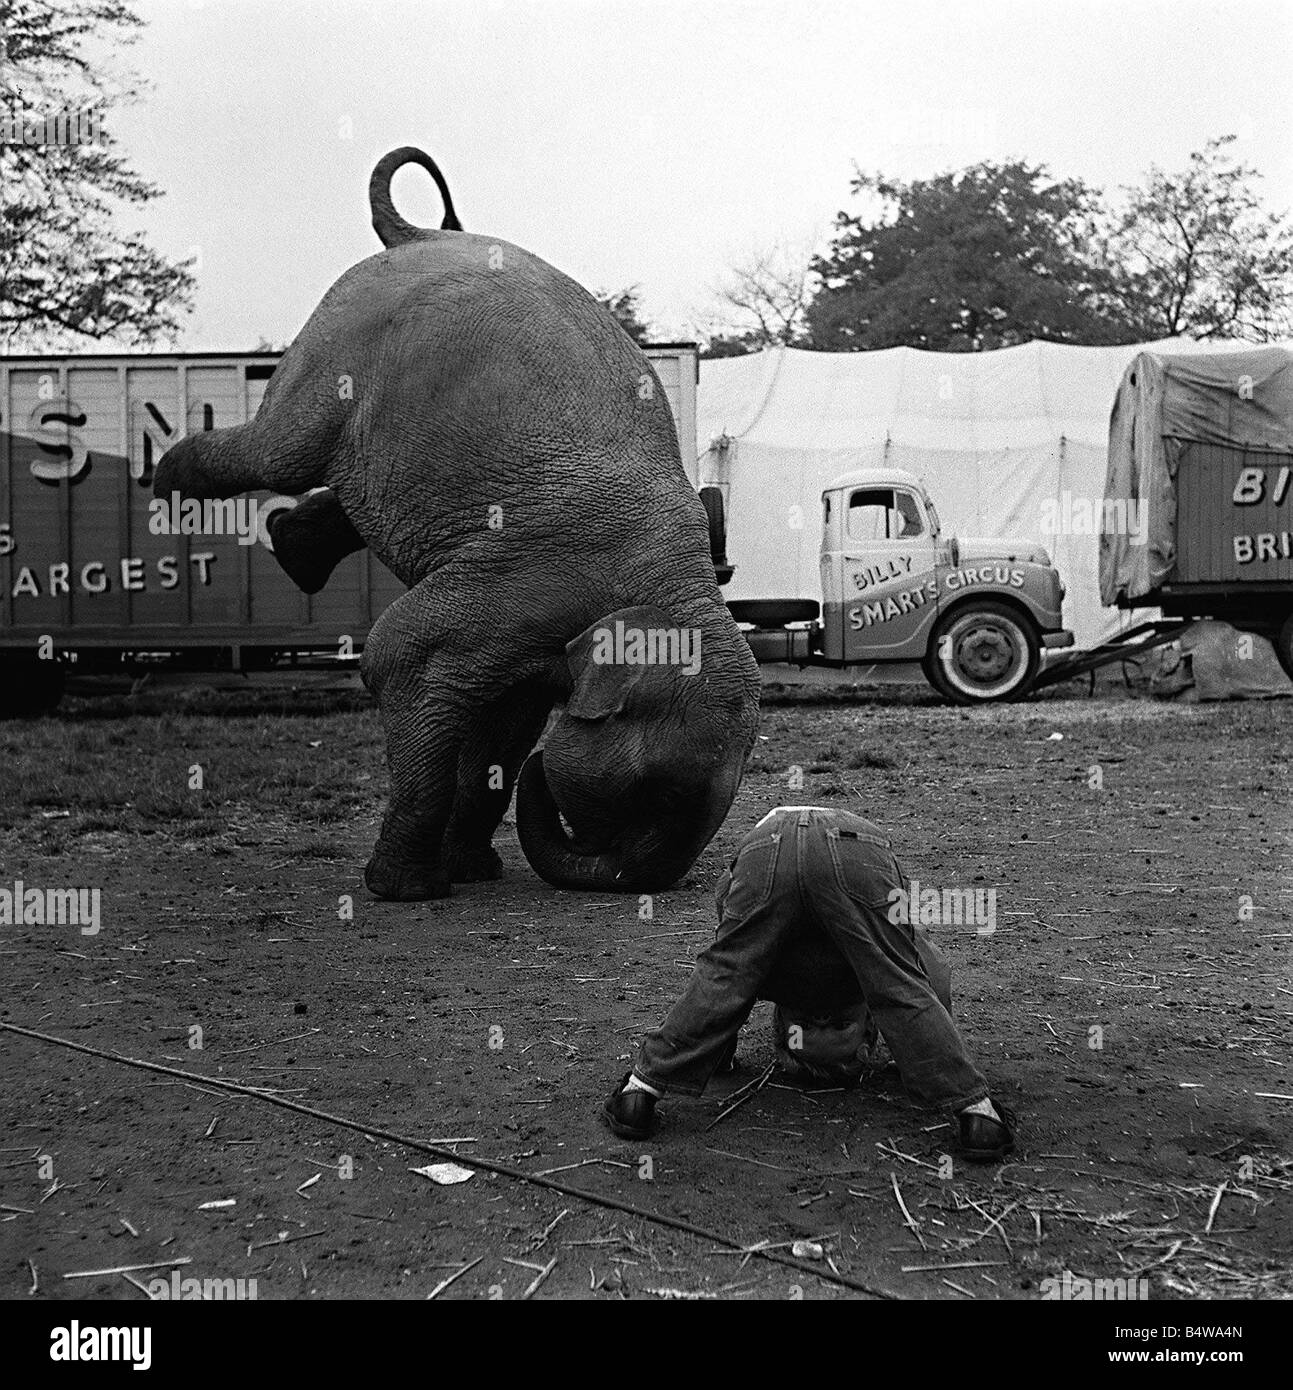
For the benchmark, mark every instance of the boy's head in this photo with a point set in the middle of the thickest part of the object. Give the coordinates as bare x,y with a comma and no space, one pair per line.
834,1049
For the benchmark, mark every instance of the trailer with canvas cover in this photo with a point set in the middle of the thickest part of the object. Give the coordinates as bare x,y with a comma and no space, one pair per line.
1202,446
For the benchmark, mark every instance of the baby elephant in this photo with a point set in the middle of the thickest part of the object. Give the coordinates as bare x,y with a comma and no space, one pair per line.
489,430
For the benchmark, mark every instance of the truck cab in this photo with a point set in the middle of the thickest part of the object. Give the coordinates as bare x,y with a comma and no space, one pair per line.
881,549
976,613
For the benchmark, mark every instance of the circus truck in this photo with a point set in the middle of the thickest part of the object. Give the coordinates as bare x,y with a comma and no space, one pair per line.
976,613
1203,446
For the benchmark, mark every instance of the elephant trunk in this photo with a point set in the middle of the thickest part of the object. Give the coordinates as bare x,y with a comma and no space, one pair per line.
555,857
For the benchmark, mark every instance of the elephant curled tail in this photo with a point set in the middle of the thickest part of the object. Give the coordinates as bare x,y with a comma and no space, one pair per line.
387,223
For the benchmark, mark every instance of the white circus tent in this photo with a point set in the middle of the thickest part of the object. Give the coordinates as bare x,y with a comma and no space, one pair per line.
1009,443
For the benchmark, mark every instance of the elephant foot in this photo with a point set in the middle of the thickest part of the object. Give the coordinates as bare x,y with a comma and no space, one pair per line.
396,881
312,539
470,863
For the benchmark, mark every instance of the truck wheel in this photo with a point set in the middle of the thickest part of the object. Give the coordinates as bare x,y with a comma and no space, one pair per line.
1284,646
982,653
29,687
712,500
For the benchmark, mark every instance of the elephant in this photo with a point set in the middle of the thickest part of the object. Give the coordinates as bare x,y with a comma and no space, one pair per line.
492,434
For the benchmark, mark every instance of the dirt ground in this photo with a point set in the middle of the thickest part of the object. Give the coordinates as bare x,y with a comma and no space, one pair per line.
1133,1006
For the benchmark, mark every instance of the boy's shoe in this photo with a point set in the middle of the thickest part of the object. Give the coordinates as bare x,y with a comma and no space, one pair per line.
630,1114
985,1140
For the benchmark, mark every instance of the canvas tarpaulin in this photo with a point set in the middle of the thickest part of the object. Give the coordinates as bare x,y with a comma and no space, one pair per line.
1012,443
1164,400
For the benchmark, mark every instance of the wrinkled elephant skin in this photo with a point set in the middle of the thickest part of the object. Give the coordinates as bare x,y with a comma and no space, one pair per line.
495,438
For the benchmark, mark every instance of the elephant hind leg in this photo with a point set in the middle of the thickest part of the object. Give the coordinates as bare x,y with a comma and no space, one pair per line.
312,539
500,740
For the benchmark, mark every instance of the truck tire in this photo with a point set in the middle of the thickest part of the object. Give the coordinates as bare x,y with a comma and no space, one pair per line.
711,499
774,612
29,687
1283,644
982,652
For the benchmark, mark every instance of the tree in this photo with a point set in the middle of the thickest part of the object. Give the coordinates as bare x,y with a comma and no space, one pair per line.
990,256
731,345
763,300
626,306
66,274
1204,258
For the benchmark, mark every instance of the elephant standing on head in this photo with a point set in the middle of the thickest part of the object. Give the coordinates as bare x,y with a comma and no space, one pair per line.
503,446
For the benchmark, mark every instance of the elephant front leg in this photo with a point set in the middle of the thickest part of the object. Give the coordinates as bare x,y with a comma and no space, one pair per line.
212,464
488,766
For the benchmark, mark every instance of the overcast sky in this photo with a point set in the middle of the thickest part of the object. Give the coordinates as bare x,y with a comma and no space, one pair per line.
653,141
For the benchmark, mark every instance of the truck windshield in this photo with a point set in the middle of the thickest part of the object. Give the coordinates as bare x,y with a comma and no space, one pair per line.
883,514
910,523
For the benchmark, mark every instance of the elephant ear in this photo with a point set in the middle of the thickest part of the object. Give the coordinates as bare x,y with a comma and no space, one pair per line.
602,682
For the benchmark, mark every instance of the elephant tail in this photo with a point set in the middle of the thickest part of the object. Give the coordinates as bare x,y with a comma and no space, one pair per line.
387,223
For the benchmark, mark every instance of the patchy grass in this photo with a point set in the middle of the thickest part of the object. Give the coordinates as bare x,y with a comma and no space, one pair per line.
317,847
198,775
1131,1005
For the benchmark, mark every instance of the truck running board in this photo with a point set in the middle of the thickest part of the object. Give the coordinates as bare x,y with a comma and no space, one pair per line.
1127,645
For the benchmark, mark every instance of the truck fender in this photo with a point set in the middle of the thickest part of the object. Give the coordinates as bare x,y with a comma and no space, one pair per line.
1008,598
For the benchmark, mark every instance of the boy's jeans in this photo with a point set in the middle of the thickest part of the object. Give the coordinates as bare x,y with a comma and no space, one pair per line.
799,866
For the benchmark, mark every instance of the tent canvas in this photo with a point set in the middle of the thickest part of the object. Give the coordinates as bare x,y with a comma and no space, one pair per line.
1012,443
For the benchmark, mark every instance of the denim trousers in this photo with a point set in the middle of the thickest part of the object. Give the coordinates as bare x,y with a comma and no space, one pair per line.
804,877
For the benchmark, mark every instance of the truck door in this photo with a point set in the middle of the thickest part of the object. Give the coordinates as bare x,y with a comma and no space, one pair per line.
890,588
